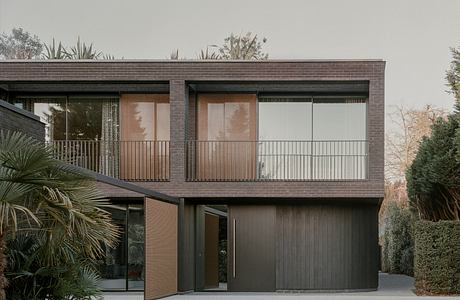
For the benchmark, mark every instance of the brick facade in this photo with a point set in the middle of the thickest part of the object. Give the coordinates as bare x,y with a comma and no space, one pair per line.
180,74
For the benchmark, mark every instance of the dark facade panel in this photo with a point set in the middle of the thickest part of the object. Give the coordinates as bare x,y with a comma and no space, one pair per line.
15,119
251,265
327,247
186,254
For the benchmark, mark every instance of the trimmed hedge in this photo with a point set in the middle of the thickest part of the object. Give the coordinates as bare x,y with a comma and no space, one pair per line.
398,241
437,257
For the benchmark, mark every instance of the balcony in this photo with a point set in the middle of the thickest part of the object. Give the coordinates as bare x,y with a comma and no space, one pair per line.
126,160
276,160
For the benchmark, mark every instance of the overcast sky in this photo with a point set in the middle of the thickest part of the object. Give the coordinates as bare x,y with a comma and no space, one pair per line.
413,36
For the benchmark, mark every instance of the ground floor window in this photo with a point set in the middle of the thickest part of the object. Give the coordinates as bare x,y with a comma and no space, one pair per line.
123,267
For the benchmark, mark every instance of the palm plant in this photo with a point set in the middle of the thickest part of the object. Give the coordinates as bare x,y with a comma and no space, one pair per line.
60,206
83,51
206,54
53,52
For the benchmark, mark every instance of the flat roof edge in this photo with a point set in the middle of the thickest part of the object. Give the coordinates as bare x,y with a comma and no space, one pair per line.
50,61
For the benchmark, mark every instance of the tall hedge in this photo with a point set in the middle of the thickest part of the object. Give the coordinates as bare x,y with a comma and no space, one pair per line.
437,257
398,241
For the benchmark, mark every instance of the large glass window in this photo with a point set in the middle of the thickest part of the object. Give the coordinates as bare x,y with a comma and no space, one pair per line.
145,135
52,112
285,133
76,118
123,266
226,134
312,138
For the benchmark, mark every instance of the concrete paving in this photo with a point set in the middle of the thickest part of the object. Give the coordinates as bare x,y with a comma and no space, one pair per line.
391,287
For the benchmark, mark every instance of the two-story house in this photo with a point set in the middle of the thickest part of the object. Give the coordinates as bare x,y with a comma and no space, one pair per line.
277,165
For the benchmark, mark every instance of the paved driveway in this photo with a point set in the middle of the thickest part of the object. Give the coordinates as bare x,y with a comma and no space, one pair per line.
391,287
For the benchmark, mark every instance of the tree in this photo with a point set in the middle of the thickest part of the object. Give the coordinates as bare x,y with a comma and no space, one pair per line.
398,240
244,47
237,47
58,205
409,127
433,179
20,44
453,77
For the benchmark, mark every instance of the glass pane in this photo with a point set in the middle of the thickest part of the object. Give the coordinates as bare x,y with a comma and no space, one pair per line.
339,119
284,148
144,122
163,122
226,129
136,247
113,268
52,113
237,123
339,133
285,119
216,122
84,118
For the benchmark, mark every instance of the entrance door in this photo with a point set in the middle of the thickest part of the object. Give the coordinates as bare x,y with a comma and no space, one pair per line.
251,247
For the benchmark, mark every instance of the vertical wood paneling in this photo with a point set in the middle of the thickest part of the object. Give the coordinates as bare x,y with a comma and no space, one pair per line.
326,247
160,249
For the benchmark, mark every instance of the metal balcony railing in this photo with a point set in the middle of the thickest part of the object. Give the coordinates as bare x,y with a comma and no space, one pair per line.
126,160
276,160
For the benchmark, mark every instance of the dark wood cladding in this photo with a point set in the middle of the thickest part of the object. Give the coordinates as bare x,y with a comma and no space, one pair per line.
251,266
186,273
327,247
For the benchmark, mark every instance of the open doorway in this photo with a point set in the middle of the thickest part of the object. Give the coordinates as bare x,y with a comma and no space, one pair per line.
215,248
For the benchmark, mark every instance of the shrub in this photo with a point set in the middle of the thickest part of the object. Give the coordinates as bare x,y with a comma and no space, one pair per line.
433,179
398,245
437,257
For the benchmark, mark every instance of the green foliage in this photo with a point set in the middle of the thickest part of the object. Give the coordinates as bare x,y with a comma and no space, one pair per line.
453,76
437,257
433,179
53,52
207,54
51,201
29,278
244,47
398,247
83,51
223,261
20,44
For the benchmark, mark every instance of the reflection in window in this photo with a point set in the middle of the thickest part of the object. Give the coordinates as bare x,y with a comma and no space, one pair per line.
52,112
123,267
145,135
76,118
227,129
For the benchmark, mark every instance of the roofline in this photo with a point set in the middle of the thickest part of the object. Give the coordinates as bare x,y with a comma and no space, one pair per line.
70,61
124,185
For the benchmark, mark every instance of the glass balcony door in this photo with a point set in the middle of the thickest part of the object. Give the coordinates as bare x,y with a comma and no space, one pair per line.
123,266
312,138
285,132
226,148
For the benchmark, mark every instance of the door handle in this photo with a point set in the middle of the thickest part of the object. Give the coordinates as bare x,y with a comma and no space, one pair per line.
234,247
